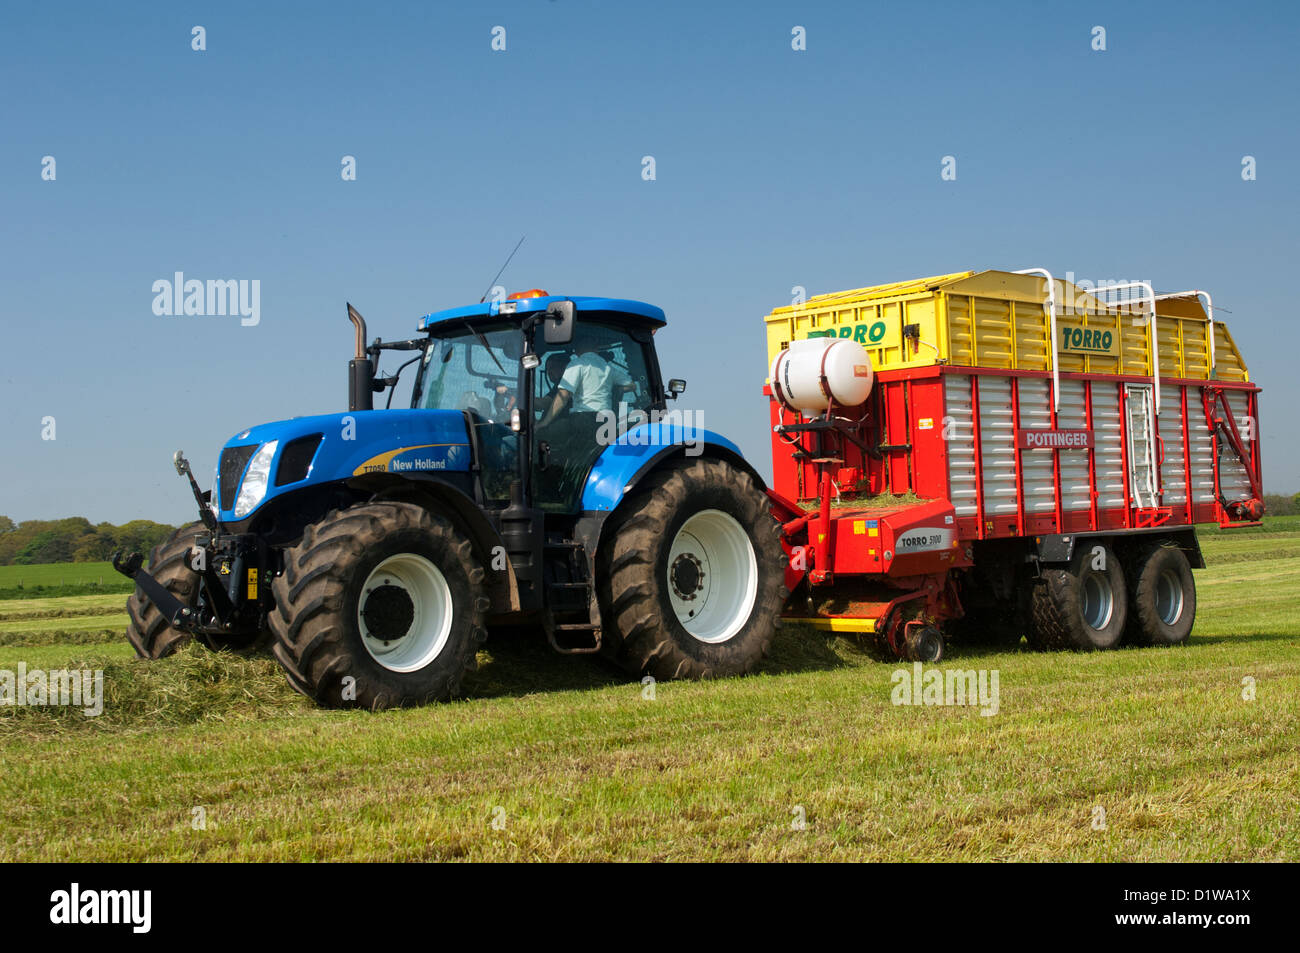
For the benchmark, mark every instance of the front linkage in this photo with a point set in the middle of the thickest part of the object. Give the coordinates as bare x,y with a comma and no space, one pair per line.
230,571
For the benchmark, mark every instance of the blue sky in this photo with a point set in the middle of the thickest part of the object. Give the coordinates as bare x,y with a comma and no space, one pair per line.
775,168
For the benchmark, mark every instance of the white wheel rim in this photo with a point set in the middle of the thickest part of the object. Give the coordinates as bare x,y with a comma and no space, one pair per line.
402,585
712,576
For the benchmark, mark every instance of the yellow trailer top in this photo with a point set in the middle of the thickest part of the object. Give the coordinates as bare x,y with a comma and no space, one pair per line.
1007,320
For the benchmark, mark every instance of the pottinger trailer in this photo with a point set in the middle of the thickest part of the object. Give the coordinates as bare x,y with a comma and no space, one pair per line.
996,454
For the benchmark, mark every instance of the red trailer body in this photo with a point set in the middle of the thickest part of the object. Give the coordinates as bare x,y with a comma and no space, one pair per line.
950,465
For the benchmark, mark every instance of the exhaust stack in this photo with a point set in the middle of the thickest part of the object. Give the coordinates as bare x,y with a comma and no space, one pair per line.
361,372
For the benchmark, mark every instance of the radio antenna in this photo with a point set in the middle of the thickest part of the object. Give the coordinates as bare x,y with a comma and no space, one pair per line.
492,283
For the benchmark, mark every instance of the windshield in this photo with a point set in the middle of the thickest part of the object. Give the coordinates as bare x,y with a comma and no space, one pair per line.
477,370
462,370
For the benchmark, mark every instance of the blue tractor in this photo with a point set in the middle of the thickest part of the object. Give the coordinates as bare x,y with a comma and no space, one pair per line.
538,478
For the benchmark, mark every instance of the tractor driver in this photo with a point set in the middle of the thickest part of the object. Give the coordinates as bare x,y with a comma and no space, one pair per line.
589,385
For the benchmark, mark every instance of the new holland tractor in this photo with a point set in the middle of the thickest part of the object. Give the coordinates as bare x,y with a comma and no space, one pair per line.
538,478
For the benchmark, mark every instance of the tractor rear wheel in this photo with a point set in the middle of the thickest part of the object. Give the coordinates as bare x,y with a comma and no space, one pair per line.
1084,606
379,605
1162,596
692,579
148,631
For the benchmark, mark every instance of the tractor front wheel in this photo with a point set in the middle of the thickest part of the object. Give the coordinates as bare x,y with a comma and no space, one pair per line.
380,605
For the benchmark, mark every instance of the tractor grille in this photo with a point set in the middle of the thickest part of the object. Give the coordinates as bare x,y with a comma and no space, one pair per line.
231,468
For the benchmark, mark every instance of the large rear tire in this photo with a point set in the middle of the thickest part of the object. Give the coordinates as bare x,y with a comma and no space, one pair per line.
1084,606
692,578
379,605
148,630
1162,596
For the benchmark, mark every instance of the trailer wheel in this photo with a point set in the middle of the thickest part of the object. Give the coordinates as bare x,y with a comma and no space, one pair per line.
1162,598
148,630
1082,607
924,644
692,578
379,605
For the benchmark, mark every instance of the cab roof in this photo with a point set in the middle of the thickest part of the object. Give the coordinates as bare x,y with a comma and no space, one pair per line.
637,312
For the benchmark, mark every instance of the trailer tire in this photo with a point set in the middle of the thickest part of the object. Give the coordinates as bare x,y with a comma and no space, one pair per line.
1162,596
703,530
330,628
148,630
1084,606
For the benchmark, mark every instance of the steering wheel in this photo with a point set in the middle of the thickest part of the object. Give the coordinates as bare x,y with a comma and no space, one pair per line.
556,362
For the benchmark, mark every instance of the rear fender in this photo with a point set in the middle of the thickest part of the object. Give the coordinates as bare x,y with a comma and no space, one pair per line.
625,464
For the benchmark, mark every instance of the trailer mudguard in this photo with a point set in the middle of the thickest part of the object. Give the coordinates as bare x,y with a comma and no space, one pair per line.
622,465
310,451
1058,548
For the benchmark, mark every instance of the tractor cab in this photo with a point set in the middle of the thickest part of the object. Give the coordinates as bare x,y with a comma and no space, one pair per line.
546,383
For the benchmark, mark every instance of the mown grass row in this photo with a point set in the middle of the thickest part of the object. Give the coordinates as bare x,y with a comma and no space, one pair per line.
68,620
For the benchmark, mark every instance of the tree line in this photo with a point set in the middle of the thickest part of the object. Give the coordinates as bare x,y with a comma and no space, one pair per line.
74,540
1275,504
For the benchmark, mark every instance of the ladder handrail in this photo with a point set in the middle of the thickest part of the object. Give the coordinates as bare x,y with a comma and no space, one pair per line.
1150,438
1209,312
1051,321
1150,298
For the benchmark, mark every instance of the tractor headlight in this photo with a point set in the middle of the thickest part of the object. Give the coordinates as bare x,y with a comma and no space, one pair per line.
256,477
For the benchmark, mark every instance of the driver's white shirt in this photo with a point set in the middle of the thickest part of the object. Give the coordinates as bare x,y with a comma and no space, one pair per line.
591,380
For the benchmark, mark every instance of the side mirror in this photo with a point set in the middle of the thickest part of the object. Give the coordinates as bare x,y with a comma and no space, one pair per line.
676,387
558,323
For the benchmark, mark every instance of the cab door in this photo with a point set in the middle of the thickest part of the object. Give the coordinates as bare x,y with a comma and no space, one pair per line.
605,374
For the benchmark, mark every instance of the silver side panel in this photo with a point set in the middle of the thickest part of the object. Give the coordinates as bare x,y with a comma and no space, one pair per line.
1233,478
1173,475
1073,415
959,434
997,445
1036,465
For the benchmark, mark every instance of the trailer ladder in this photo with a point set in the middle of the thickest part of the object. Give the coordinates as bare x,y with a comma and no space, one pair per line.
1143,461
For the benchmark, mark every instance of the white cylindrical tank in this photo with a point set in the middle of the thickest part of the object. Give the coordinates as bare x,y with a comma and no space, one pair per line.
808,373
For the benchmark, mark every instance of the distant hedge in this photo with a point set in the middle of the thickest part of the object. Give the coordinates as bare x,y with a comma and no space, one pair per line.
74,540
1275,504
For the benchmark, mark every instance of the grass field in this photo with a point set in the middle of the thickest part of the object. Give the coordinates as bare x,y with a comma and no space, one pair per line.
560,759
19,582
